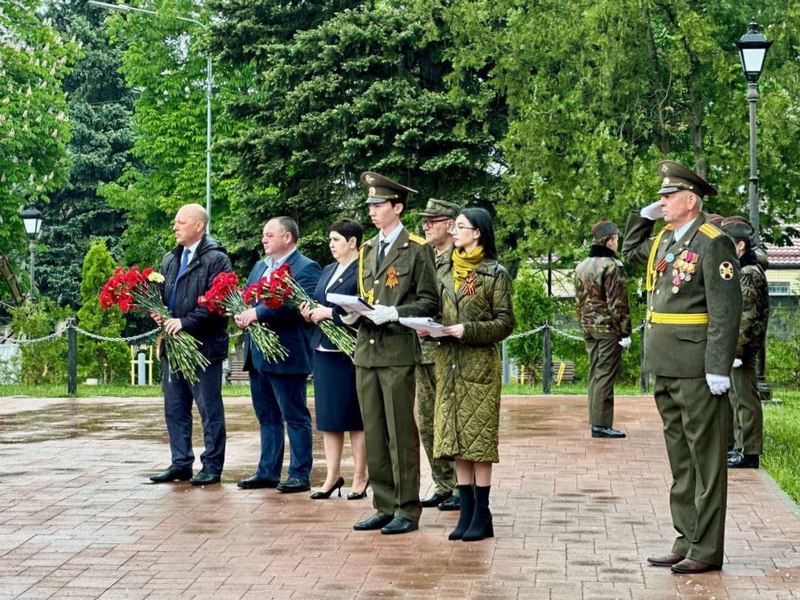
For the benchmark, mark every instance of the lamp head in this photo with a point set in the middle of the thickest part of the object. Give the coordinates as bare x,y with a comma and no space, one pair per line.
753,47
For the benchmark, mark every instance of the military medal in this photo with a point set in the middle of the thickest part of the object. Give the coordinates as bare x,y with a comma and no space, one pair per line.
469,284
391,277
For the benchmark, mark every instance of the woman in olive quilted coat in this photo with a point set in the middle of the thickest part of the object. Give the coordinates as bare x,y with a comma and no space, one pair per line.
476,300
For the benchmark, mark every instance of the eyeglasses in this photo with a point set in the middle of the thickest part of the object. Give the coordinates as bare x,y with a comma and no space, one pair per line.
460,228
432,222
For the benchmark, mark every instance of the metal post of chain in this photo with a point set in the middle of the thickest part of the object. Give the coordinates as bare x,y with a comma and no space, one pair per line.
642,369
72,358
548,360
506,364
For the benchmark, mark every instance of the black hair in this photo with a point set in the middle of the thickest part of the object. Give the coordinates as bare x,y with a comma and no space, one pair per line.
348,228
481,220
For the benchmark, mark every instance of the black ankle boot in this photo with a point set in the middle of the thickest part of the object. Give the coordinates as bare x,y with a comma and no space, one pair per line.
467,508
481,526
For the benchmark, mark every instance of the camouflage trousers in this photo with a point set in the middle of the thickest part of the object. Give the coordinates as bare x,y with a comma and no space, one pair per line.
605,355
442,471
746,406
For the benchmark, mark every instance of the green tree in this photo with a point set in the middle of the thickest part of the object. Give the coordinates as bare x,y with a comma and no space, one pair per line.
532,309
34,129
104,360
100,108
42,361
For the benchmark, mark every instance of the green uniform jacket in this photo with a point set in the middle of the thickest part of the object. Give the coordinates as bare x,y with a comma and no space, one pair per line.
468,371
406,280
601,294
755,306
444,263
710,286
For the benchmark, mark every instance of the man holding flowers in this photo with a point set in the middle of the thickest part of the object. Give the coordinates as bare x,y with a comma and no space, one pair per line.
189,270
278,387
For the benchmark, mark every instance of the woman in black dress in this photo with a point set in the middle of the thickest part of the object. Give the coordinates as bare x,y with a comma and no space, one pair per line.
335,398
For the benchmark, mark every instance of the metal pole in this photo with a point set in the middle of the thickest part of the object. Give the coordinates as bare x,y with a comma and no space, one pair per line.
209,86
506,365
752,99
547,367
32,248
72,358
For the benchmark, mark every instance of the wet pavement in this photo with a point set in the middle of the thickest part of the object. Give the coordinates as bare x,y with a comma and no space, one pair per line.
574,517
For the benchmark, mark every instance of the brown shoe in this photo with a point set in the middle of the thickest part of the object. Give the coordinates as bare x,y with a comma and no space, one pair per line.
690,567
665,561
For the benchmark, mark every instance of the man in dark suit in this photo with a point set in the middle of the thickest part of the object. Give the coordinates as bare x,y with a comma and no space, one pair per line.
188,270
278,389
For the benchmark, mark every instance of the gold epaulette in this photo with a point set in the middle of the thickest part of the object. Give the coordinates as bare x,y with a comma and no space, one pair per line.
709,230
417,239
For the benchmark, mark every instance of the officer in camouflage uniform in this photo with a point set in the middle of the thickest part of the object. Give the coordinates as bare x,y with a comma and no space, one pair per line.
397,276
745,403
694,307
605,318
437,219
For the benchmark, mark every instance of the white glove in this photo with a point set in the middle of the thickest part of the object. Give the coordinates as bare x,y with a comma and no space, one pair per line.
718,384
737,362
652,211
625,342
382,314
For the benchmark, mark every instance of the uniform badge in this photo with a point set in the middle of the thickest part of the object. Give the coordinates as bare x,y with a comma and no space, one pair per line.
469,284
726,270
391,277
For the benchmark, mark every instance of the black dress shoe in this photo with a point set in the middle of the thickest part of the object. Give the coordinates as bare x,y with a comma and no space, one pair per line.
606,432
173,474
399,525
255,482
435,499
452,503
689,566
376,521
205,478
666,560
743,461
293,485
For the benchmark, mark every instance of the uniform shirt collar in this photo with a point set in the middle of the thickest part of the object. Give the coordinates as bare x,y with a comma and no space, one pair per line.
390,239
679,233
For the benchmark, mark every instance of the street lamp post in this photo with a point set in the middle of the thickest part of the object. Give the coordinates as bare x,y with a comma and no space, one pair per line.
32,218
209,87
753,47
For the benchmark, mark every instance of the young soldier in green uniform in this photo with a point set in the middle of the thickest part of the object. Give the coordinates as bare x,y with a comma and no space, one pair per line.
694,306
745,403
437,219
601,296
397,276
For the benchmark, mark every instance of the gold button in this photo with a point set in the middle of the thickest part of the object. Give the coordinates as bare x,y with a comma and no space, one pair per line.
658,292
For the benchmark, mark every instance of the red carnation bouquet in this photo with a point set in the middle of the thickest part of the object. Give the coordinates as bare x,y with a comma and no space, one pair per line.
130,289
225,297
281,288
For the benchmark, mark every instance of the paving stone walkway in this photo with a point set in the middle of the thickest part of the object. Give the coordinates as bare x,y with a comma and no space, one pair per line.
574,517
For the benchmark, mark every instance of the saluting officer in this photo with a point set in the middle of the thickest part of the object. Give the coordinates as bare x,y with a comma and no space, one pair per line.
397,276
694,306
745,403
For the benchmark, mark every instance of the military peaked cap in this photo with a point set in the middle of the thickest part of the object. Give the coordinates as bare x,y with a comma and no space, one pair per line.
440,208
382,189
676,177
738,228
603,230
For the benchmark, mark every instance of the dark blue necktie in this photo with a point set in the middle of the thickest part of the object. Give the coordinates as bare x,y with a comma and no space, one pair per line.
181,271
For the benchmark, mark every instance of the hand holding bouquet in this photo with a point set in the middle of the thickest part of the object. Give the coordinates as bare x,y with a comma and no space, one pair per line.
281,288
140,289
224,297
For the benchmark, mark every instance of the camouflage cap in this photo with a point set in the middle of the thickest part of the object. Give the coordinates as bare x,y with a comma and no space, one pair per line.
676,177
440,208
603,230
383,189
738,228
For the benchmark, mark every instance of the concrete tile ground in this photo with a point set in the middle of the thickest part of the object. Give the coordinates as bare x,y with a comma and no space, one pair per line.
574,517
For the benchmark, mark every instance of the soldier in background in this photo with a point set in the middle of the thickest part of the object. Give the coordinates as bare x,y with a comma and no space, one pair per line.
694,305
605,319
437,220
745,403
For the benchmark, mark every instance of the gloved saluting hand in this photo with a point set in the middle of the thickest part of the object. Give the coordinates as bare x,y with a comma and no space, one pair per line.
718,384
625,342
652,211
382,314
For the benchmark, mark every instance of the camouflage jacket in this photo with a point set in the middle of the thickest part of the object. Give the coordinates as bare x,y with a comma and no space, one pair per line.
601,294
755,305
444,264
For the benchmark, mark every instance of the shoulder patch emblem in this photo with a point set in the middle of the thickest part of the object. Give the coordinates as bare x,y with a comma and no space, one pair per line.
709,230
726,270
417,239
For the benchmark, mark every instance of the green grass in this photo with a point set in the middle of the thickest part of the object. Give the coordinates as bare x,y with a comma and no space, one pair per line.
59,390
781,456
